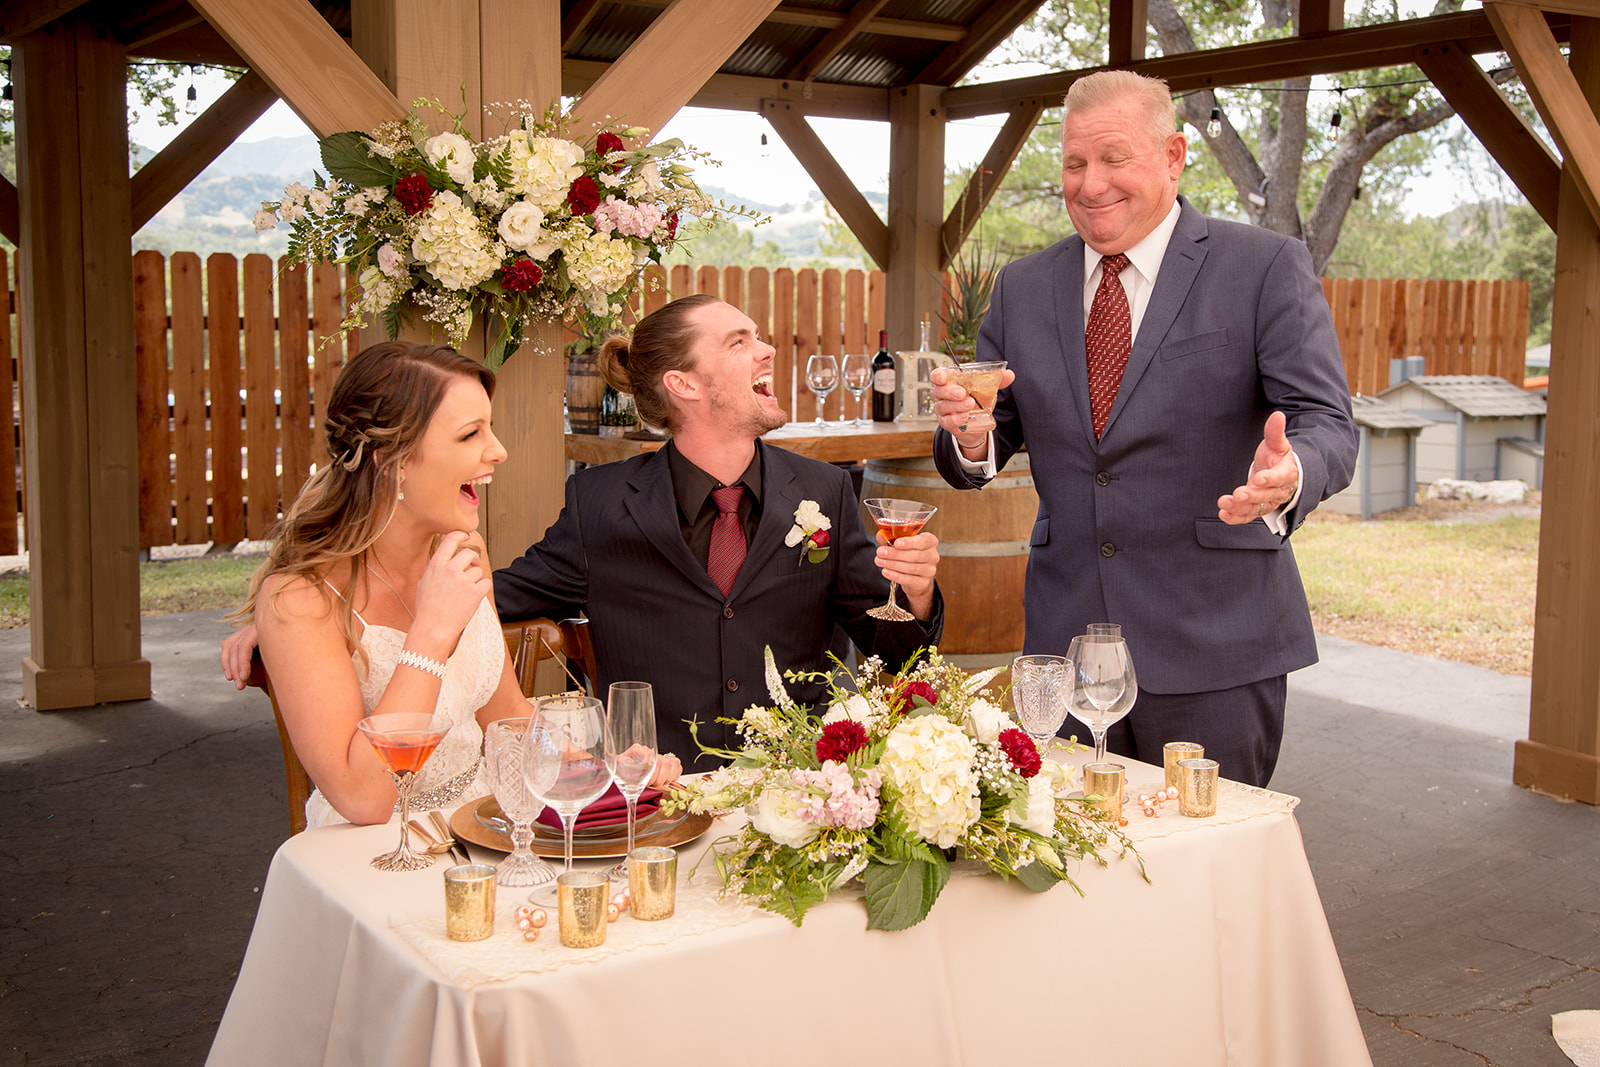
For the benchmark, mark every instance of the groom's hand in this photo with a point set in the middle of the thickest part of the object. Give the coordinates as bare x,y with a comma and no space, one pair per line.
912,563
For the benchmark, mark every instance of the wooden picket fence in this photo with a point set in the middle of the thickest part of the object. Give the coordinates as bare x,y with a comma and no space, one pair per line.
236,358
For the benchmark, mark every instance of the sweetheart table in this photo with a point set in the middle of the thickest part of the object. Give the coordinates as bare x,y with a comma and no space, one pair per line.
1223,957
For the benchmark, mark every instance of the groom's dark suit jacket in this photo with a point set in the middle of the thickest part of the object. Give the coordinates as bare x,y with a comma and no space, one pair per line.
1127,532
617,553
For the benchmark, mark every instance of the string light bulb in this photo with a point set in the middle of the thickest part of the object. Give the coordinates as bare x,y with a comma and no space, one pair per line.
1214,127
8,104
191,106
766,153
1338,115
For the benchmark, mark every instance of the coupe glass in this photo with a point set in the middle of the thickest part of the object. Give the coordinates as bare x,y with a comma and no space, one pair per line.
982,383
577,723
1040,687
404,741
857,379
822,375
630,749
1103,684
896,519
515,753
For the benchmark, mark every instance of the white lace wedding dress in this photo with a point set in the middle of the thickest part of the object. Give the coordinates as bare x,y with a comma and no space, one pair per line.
455,769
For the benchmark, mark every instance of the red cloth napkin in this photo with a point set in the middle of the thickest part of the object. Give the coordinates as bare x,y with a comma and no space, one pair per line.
609,809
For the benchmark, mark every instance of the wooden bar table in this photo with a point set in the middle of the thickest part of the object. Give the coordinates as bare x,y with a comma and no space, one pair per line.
832,442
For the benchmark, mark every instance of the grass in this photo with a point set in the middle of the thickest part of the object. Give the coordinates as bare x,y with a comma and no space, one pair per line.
165,586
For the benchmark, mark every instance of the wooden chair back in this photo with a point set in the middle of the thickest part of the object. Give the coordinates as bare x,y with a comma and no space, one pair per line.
294,772
530,641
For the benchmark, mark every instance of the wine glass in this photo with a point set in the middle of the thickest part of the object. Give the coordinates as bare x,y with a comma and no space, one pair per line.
1103,684
896,519
515,753
404,741
822,374
1040,686
857,379
577,723
630,749
982,383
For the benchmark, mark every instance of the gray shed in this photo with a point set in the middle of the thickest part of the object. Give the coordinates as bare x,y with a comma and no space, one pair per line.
1386,464
1483,428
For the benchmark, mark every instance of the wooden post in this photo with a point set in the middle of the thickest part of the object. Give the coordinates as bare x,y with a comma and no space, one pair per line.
77,357
916,210
1561,755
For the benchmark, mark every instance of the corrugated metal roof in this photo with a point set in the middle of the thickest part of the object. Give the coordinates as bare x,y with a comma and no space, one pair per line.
1478,396
1377,414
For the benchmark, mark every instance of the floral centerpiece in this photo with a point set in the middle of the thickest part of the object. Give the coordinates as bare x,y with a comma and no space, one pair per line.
891,783
526,226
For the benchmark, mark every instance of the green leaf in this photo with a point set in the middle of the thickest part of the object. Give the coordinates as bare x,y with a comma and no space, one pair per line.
346,157
1038,876
817,555
900,895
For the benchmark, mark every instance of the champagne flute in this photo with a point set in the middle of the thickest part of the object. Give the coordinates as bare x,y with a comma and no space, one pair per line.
577,723
896,519
982,383
1104,686
404,741
857,379
630,749
822,374
1040,687
515,752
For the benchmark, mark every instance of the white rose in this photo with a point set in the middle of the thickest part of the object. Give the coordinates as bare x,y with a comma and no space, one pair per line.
855,708
1041,807
777,814
522,226
985,722
452,152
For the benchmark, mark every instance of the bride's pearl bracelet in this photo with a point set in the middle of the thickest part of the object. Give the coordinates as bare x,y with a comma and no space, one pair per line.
408,658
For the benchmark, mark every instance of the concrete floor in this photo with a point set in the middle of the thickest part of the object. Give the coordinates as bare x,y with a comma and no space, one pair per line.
1464,908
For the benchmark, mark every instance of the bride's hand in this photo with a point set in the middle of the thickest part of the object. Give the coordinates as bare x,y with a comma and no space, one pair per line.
668,770
454,583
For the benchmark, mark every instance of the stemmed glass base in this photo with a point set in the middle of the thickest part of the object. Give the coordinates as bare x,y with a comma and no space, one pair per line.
402,858
619,873
522,867
892,611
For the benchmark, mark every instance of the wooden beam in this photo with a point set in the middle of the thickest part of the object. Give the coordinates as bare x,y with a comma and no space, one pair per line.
733,92
1502,129
200,43
987,178
668,63
818,18
1319,16
306,63
1561,755
998,21
916,210
1360,48
1555,92
212,131
835,184
578,19
835,39
145,27
18,17
1130,27
10,223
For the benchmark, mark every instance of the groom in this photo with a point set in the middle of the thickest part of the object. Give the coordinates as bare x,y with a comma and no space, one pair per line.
690,561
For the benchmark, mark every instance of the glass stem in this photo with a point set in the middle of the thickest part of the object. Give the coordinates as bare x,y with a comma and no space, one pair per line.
892,588
633,803
568,822
402,785
521,836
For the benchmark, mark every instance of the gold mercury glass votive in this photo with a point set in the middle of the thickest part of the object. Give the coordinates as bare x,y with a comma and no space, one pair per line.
581,909
1173,751
469,901
1197,787
653,882
1105,780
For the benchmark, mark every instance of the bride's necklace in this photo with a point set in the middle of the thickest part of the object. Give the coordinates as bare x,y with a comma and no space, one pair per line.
379,573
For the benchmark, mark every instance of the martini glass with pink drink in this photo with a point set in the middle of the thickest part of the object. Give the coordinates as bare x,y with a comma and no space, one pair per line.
404,741
982,383
896,519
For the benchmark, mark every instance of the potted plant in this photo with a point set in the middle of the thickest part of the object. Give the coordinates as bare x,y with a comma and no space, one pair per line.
966,299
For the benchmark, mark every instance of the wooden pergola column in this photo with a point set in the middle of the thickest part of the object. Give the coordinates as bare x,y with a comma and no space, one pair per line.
76,285
1561,755
916,210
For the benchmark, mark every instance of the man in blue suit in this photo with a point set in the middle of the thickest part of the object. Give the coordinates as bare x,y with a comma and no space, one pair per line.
1178,386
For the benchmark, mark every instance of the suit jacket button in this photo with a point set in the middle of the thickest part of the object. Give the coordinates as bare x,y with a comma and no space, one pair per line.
1108,549
733,685
727,611
1102,478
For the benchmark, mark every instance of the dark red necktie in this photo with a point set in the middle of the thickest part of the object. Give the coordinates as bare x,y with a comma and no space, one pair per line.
1108,338
727,538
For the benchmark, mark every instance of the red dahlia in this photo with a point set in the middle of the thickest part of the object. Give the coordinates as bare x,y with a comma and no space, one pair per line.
584,196
521,276
841,738
414,193
1021,751
906,696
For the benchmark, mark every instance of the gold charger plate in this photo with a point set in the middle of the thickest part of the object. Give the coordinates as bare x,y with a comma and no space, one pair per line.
653,829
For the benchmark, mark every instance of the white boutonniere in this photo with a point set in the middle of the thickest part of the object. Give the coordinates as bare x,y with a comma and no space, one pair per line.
810,531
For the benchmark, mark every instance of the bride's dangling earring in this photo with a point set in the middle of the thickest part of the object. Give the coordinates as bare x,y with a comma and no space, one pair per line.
400,489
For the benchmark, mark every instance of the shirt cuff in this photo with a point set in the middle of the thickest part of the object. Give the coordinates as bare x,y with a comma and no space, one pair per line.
983,468
1277,521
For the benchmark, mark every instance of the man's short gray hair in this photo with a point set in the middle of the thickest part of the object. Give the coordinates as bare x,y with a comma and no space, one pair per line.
1151,94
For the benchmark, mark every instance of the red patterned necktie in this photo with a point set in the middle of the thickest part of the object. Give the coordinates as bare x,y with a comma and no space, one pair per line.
727,538
1109,338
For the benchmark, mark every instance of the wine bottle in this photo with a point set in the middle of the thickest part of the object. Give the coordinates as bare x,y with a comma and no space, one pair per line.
884,381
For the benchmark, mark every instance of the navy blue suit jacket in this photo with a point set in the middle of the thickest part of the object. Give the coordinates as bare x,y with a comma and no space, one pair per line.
617,554
1127,531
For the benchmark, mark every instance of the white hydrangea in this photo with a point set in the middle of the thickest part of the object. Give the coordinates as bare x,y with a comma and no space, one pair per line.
543,168
451,244
489,194
598,266
451,152
928,762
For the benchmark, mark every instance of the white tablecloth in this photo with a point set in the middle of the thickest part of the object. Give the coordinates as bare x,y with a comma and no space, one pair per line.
1224,958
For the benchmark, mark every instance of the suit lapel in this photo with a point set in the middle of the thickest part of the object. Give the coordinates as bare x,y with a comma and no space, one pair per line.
1068,287
1179,266
780,497
655,509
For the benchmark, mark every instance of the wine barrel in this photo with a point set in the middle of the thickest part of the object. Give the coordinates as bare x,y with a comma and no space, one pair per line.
584,389
983,548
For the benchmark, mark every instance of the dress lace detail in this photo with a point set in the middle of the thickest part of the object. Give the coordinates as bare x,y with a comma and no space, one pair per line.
454,770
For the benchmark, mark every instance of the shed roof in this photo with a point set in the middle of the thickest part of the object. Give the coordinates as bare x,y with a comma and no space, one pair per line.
1477,396
1376,414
